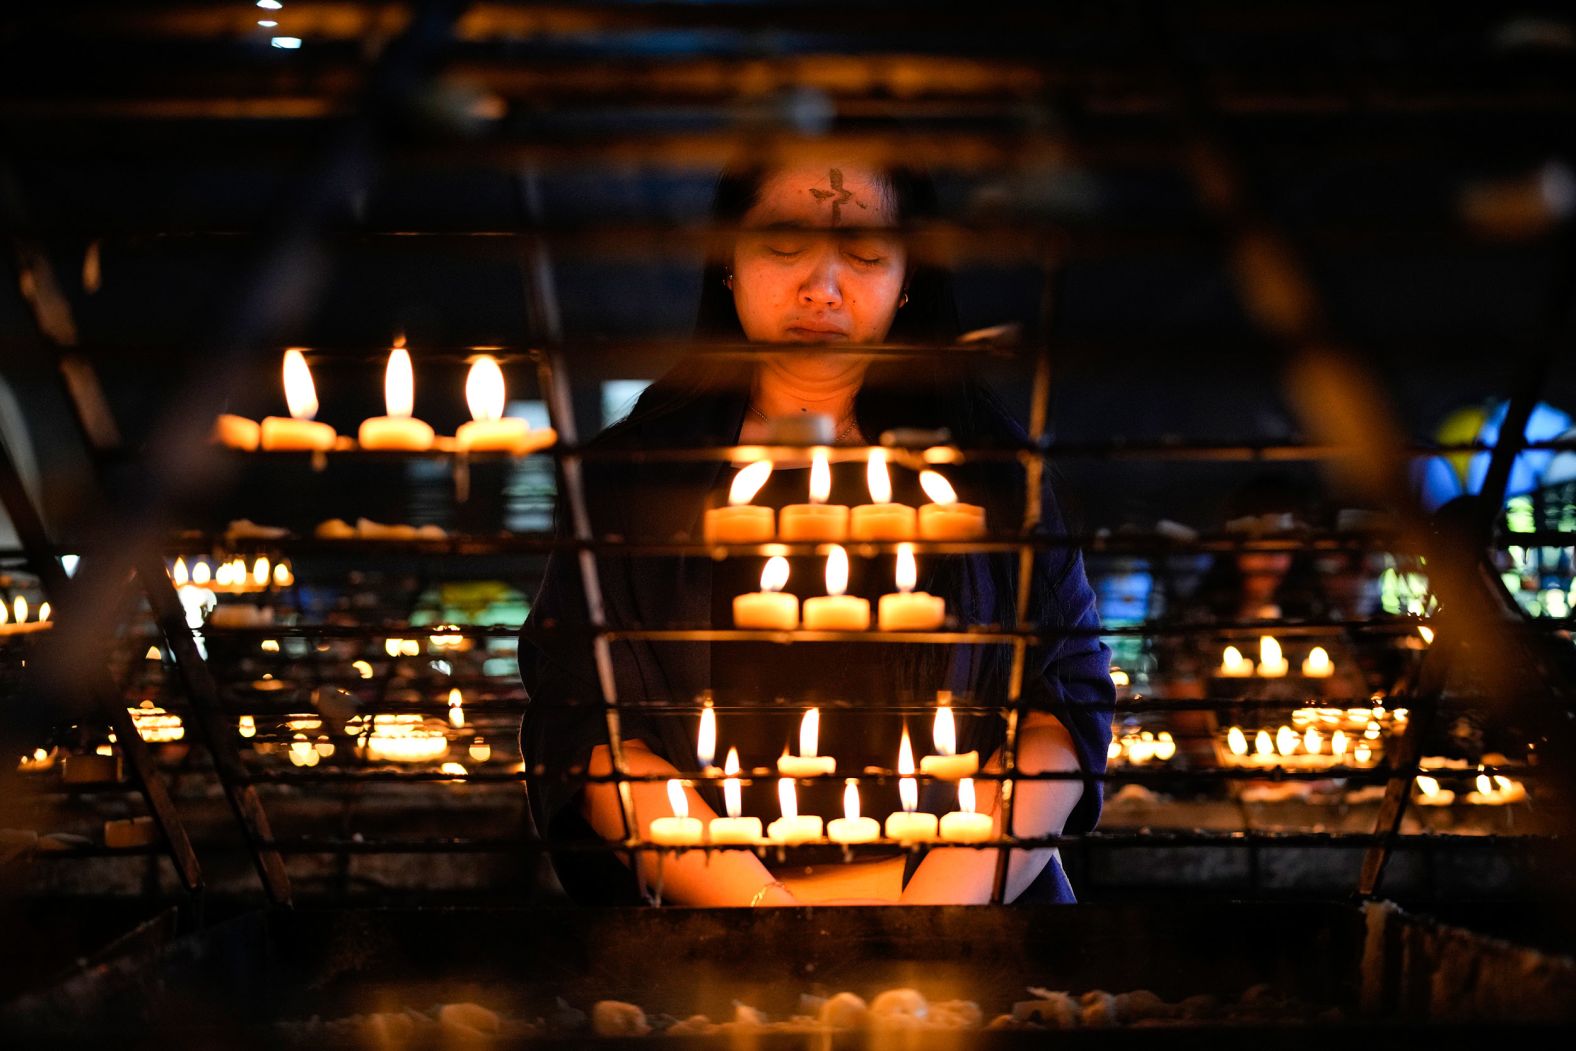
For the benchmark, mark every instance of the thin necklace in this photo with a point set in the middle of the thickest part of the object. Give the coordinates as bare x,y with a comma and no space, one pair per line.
848,426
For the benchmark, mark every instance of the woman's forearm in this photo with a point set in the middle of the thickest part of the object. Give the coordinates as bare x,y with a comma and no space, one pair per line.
960,876
694,877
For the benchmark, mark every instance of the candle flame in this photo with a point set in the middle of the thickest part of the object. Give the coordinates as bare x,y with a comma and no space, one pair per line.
820,477
1165,746
836,570
878,478
851,800
1311,741
907,787
706,742
456,708
201,574
1236,741
1427,785
907,569
774,577
1338,743
966,795
945,732
5,614
179,575
1285,740
1269,651
43,612
937,488
730,786
399,383
787,798
300,391
1426,633
809,732
484,389
19,609
748,482
283,577
1484,785
260,571
1318,660
677,800
1262,743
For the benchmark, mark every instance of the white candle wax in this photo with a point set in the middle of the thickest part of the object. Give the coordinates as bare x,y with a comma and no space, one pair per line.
911,828
817,520
836,611
792,827
1317,665
881,522
851,828
734,831
768,608
237,432
398,430
680,830
909,610
963,825
944,518
298,431
950,767
741,522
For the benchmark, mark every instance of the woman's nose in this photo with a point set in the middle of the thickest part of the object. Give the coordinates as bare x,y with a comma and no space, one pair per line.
822,285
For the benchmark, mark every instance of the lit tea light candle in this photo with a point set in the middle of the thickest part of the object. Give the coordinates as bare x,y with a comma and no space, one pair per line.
1233,665
680,830
299,430
910,826
1317,665
1165,746
768,609
944,518
947,764
741,522
792,827
237,432
399,430
1430,794
1286,740
456,708
1496,790
807,763
851,828
1264,746
835,611
733,829
963,825
1312,742
880,519
488,429
1272,664
1338,744
179,576
284,576
816,520
909,610
1237,742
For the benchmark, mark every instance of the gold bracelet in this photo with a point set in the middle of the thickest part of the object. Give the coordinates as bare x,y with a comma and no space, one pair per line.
761,894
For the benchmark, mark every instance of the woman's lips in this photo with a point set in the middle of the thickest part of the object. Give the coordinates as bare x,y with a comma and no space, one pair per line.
814,334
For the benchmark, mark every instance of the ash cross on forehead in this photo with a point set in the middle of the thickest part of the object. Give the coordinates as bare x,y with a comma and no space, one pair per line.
837,194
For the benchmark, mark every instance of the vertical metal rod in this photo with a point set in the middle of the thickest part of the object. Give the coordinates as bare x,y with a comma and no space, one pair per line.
1034,473
543,298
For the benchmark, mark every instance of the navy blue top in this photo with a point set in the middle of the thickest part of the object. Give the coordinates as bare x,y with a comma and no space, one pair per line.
659,501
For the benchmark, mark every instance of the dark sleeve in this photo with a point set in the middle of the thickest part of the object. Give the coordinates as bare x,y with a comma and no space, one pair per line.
1071,673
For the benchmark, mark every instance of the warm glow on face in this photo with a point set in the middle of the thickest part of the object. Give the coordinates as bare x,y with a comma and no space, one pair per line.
820,477
907,787
730,786
966,795
836,570
907,568
878,477
851,800
774,577
706,741
300,392
1269,651
945,732
484,391
748,482
937,488
677,800
787,798
399,384
1236,741
810,732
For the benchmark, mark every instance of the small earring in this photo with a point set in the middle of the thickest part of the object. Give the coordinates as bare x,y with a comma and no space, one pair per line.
901,303
727,282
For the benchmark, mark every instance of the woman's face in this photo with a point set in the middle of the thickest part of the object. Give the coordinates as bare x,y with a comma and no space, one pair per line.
804,271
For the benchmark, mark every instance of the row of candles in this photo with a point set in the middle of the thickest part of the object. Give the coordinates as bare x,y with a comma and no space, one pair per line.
232,575
744,522
14,617
1273,663
489,430
964,825
904,610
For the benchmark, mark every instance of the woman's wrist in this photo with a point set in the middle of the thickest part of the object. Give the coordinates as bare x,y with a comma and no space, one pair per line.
774,893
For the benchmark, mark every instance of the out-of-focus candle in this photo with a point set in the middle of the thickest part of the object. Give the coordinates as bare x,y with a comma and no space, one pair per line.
398,430
680,830
909,610
792,827
1233,665
1272,664
835,611
944,518
807,763
298,430
706,738
733,828
456,708
947,764
816,520
489,430
1236,741
851,828
1430,794
741,522
1317,665
880,519
963,825
237,432
910,826
768,609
